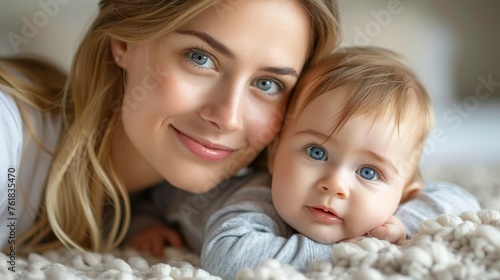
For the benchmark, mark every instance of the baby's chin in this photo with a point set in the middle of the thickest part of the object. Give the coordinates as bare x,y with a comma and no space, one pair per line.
327,236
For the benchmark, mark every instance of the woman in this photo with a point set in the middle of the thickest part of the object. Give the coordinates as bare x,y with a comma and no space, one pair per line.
156,89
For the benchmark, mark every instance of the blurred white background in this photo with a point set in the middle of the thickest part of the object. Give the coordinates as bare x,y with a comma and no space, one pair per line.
454,47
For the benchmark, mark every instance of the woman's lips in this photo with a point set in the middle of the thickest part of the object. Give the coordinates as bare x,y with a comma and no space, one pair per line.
203,149
324,216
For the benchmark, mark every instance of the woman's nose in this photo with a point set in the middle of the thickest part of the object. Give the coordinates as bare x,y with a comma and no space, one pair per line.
224,109
336,184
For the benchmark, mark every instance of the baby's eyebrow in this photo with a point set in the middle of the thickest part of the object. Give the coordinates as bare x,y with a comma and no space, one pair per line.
381,159
312,132
214,43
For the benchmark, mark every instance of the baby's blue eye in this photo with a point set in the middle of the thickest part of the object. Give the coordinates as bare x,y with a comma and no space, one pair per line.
368,173
269,86
201,59
316,153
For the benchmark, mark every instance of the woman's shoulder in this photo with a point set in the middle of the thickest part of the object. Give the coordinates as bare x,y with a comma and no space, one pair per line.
18,122
10,122
27,148
28,92
29,137
9,114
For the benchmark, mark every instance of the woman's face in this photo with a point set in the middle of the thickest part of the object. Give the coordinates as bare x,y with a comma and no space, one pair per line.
203,101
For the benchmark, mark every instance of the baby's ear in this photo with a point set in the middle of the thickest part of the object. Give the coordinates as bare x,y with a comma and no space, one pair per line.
412,190
271,154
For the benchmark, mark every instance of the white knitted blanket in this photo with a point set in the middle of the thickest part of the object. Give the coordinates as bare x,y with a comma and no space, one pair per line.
448,247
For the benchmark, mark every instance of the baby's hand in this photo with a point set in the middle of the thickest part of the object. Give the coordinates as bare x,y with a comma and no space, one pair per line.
154,239
393,231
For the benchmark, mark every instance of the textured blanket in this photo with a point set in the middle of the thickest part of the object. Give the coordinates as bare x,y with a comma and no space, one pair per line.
448,247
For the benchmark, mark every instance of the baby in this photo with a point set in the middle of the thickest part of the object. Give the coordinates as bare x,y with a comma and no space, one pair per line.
346,158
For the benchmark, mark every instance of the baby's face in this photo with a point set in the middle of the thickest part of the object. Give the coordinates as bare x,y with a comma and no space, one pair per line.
339,187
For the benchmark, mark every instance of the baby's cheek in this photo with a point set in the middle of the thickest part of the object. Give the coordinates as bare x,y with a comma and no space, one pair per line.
376,214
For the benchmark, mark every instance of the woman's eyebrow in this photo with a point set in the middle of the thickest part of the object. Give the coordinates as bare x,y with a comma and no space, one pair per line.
220,47
282,71
214,43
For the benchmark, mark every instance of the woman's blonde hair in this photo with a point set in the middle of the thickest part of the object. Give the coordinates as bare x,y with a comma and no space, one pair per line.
377,80
82,183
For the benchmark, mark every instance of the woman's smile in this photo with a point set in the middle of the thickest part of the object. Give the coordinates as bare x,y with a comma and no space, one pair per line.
203,149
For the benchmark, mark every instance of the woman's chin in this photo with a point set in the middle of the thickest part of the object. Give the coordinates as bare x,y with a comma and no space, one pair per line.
197,182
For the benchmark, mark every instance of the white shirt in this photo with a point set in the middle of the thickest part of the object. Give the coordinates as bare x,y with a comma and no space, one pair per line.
16,143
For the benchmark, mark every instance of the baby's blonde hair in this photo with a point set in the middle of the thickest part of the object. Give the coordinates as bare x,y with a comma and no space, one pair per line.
377,81
82,182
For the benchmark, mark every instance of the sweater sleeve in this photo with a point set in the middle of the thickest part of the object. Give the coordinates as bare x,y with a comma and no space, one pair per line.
247,230
436,198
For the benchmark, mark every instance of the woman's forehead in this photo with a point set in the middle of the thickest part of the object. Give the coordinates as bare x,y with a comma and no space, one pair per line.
275,31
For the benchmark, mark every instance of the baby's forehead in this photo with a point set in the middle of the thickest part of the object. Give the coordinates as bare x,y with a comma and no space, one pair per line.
329,108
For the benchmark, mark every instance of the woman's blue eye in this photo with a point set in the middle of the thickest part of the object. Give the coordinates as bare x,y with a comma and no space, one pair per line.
317,153
269,86
264,85
368,173
201,59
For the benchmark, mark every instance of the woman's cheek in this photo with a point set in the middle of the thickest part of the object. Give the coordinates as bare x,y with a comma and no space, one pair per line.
179,93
